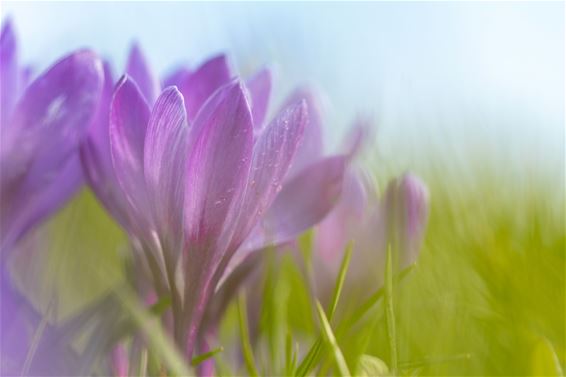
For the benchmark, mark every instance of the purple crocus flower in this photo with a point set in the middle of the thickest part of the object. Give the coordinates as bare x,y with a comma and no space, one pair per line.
95,151
313,186
41,126
398,219
405,207
225,179
199,177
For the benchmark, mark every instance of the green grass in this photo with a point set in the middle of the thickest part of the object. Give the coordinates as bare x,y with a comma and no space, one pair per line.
487,296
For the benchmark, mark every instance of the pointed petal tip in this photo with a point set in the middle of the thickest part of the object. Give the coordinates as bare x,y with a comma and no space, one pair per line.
122,81
135,48
172,94
126,82
7,27
415,185
88,55
235,87
220,57
172,89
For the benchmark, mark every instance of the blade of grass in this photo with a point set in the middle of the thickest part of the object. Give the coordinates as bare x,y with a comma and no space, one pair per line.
205,356
331,340
244,335
340,281
289,354
36,339
161,305
157,340
310,358
314,352
390,311
374,299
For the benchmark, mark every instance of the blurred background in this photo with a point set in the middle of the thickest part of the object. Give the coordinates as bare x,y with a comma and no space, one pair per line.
450,77
470,95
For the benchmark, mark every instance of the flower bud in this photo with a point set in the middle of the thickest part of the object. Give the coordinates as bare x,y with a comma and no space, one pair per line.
405,205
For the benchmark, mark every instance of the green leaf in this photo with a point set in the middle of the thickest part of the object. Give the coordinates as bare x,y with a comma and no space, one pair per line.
544,360
340,281
161,305
371,366
289,367
154,334
390,311
310,359
246,346
331,340
374,299
205,356
314,352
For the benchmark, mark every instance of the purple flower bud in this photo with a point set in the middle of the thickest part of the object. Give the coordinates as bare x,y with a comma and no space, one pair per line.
405,206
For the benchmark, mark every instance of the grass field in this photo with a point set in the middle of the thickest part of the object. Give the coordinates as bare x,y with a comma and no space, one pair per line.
487,296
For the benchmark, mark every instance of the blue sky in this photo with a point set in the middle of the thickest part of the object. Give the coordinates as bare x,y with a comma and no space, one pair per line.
440,75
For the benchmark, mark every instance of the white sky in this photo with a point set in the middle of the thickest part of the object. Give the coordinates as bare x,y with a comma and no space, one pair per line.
441,75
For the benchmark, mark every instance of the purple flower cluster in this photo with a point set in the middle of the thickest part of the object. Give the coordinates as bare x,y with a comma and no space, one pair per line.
193,169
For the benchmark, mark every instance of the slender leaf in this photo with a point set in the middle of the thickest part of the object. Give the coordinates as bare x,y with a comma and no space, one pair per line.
390,311
244,335
157,340
340,281
331,340
205,356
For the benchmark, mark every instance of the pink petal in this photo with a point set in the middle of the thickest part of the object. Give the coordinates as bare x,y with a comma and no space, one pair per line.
165,159
302,203
33,206
8,71
272,155
311,149
405,206
138,69
342,223
260,89
197,87
220,145
176,77
96,158
51,118
219,162
129,116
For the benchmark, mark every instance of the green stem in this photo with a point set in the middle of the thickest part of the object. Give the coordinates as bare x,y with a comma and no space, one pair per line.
390,311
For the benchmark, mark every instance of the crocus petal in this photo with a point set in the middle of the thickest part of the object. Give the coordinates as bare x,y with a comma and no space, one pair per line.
272,156
260,89
8,71
17,319
129,115
51,119
358,137
33,206
45,130
306,199
138,69
220,146
164,159
342,223
120,361
219,162
302,203
200,85
176,77
311,148
406,212
96,158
